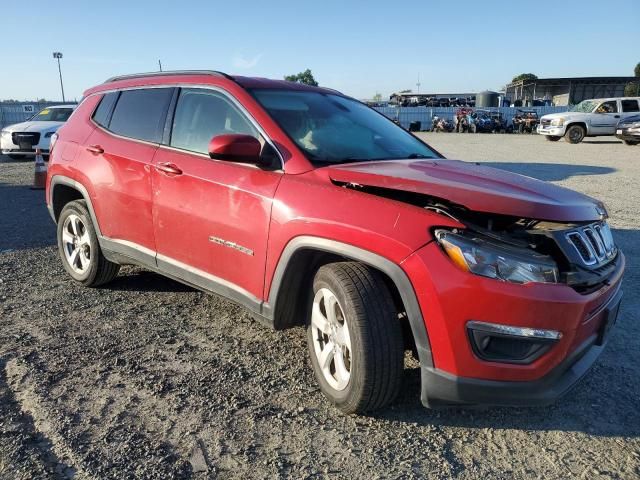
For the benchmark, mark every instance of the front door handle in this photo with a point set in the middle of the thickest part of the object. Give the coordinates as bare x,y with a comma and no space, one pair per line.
616,116
96,149
168,168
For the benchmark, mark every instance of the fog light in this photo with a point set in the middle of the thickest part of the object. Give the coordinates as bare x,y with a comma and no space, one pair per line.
507,344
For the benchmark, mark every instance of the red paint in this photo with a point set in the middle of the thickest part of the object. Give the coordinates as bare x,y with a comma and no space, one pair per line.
234,146
474,186
176,212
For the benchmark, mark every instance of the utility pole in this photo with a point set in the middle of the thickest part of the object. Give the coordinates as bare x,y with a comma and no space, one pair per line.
159,64
58,56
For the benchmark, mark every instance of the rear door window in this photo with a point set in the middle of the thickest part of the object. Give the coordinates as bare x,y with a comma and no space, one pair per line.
141,113
630,106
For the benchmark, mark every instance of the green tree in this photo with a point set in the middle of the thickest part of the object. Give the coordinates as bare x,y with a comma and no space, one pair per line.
632,89
525,77
305,77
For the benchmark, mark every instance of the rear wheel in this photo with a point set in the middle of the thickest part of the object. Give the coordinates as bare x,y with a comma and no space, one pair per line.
354,337
552,138
79,248
574,134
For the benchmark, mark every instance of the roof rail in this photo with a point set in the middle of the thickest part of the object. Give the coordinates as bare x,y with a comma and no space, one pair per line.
168,73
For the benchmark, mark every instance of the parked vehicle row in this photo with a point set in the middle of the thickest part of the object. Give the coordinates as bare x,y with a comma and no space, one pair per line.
310,208
592,118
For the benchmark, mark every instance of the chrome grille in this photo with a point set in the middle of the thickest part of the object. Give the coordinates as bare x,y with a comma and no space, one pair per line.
594,243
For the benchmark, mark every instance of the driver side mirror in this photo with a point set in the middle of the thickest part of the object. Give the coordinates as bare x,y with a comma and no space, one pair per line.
235,148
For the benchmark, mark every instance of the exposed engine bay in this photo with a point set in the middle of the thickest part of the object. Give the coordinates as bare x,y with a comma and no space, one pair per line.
581,254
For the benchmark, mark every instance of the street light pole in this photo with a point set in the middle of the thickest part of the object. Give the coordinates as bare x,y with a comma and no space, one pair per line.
58,56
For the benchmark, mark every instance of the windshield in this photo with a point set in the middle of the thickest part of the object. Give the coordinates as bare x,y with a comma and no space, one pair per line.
585,106
53,115
331,128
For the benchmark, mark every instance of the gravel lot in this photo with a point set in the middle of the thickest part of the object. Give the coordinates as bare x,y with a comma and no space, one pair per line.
147,378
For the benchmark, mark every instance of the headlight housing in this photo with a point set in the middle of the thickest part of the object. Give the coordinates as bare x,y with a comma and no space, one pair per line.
489,258
557,122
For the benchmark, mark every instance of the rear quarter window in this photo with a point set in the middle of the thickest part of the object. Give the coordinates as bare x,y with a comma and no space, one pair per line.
103,112
141,113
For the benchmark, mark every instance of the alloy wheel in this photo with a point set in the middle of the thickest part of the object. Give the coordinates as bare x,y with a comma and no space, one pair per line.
331,340
76,244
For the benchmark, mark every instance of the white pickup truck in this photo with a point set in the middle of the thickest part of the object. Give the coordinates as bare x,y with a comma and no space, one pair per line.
589,118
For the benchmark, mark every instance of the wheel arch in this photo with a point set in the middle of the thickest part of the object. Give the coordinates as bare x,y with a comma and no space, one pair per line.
288,295
580,123
64,190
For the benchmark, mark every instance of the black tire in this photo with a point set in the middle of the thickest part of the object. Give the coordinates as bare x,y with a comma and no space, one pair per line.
631,142
14,156
552,138
99,270
574,134
377,346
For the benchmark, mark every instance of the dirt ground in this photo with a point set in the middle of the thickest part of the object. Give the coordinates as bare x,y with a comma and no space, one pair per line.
147,378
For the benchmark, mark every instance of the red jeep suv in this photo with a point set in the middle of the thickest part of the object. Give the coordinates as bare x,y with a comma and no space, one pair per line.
309,208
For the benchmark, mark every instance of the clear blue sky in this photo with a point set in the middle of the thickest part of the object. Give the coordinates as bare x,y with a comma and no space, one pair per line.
357,47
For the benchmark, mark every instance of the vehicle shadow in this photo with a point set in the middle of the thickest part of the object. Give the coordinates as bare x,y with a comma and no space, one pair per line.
603,403
602,142
135,279
549,172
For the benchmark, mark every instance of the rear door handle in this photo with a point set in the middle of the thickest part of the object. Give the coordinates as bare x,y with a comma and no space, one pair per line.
97,149
168,168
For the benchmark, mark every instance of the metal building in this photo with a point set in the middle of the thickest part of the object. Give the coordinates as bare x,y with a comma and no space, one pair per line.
567,91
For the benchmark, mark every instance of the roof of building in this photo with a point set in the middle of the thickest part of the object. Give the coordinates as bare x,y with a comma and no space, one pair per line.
566,80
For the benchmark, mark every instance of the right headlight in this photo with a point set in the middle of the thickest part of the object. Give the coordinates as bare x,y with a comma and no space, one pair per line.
493,259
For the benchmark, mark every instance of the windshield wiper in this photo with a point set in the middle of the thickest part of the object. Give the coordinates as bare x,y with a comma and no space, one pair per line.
417,155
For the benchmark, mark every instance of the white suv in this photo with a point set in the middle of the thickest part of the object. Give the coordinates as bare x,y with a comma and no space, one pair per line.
589,118
21,139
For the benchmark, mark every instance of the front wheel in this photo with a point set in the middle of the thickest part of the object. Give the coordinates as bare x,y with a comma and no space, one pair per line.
354,337
79,249
552,138
631,142
574,134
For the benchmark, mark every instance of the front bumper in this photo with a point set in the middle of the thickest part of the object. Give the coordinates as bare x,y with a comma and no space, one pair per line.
443,389
7,147
458,376
552,131
631,135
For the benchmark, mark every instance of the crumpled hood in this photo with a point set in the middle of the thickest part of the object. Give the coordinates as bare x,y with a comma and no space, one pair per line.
474,186
33,126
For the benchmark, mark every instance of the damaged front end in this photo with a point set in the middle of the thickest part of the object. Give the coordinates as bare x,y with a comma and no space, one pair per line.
521,250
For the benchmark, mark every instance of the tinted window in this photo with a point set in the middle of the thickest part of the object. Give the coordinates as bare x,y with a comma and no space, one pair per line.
102,113
140,113
630,106
203,114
